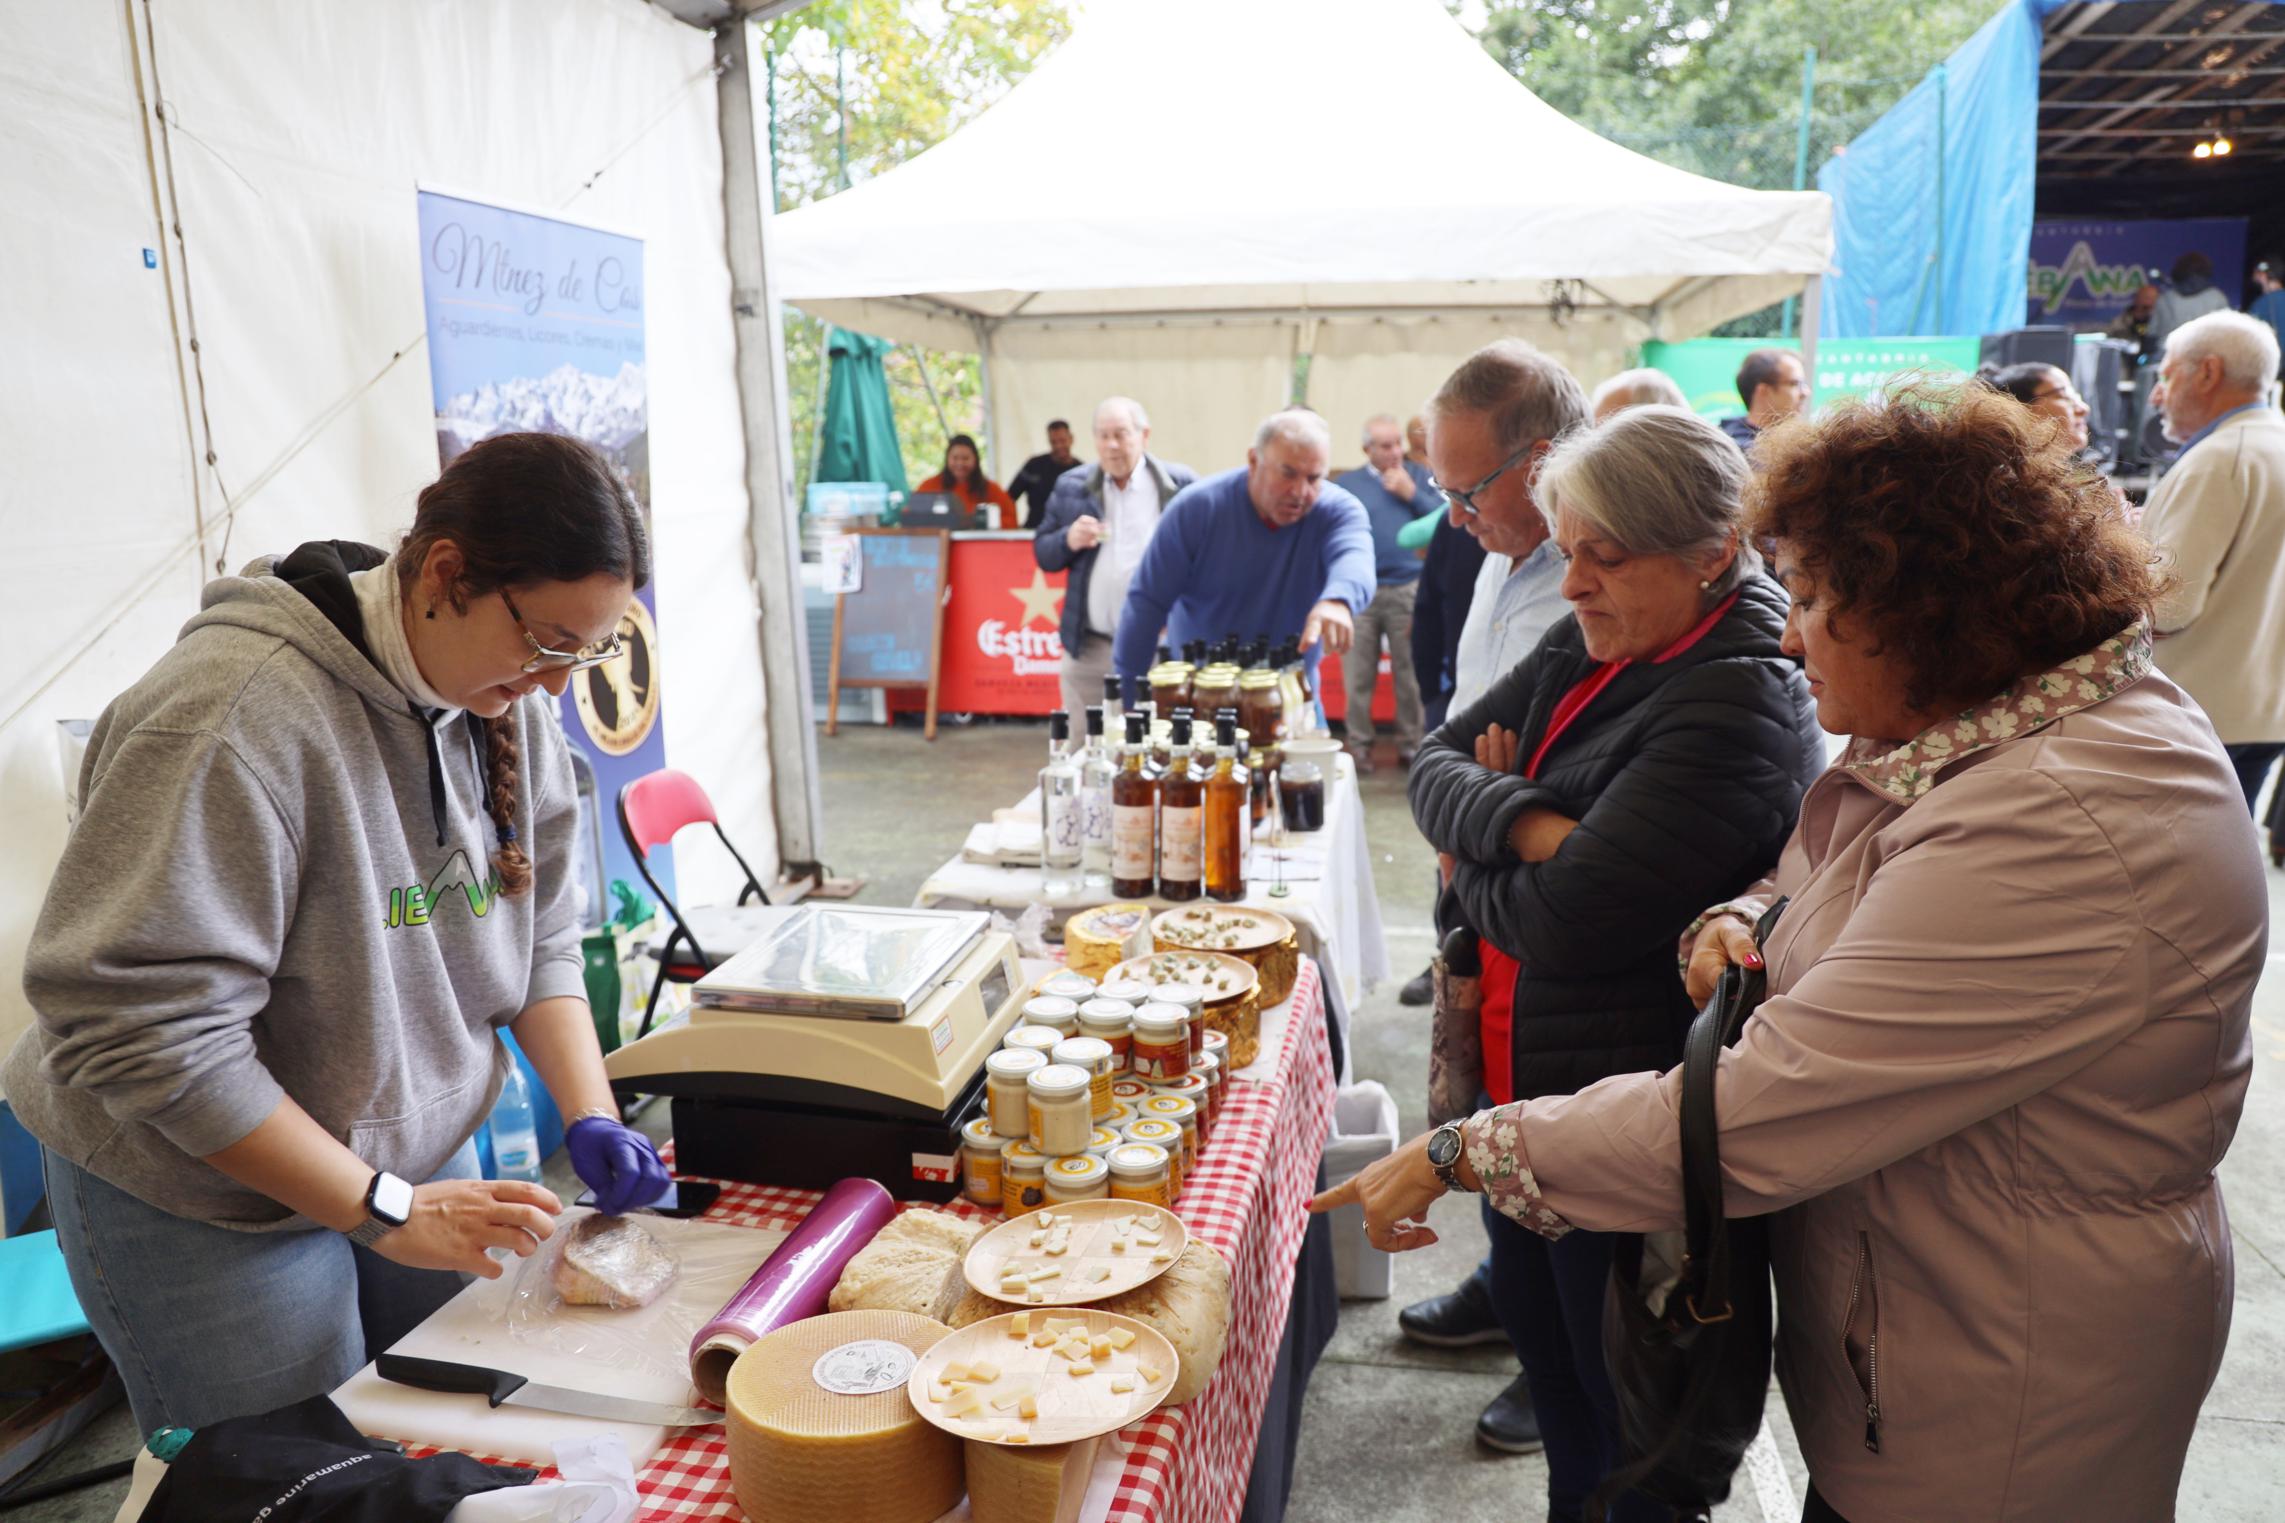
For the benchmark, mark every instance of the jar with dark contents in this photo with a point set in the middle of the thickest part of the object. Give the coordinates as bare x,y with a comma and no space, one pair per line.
1301,787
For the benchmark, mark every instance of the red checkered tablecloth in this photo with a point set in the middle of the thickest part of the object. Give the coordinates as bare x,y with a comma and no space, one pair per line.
1247,1199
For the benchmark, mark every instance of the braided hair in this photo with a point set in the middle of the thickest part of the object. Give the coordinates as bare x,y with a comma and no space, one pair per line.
524,508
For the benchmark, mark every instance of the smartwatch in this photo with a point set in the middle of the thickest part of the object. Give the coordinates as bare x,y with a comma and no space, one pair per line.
1444,1154
388,1206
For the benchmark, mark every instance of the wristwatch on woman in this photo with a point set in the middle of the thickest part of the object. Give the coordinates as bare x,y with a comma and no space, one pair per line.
1444,1154
388,1206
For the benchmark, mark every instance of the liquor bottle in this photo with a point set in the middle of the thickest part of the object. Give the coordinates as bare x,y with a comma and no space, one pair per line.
1114,705
1226,817
1060,818
1095,774
1181,821
1134,818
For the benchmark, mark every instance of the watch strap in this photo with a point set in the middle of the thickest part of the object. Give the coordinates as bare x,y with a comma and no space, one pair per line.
370,1231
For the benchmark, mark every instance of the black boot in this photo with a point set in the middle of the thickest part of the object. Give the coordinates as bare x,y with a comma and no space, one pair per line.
1454,1321
1509,1424
1419,990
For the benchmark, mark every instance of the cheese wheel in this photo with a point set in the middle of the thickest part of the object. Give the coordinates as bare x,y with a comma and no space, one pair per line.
1028,1483
811,1437
1097,940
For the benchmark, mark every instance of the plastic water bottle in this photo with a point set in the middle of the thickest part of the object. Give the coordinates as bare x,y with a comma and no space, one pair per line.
515,1139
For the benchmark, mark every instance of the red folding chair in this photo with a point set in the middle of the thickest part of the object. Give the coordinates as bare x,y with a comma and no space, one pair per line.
651,810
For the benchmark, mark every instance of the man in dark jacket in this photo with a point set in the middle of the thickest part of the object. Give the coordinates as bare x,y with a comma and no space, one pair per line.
1447,587
1773,386
1035,483
1111,506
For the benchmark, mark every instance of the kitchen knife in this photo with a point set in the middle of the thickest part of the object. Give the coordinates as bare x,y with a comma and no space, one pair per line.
502,1387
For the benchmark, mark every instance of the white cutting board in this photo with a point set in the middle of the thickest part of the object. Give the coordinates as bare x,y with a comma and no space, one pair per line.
472,1328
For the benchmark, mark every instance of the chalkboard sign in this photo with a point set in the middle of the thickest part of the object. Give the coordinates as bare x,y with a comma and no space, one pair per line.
889,632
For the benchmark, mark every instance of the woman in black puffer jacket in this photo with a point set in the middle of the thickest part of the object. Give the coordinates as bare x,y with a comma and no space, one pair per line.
1644,761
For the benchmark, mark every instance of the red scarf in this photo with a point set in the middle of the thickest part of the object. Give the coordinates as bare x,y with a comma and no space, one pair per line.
1498,1017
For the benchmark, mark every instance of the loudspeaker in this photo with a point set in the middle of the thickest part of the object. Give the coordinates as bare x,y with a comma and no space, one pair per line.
2029,346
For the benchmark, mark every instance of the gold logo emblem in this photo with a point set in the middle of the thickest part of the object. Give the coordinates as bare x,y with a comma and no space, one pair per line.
619,700
1041,603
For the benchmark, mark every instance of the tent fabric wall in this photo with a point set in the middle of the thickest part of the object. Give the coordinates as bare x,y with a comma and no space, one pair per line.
300,134
1952,161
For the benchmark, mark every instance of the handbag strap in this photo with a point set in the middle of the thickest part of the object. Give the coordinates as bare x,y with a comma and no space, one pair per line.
1706,1268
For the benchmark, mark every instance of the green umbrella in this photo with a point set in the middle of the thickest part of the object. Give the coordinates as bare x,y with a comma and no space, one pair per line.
856,435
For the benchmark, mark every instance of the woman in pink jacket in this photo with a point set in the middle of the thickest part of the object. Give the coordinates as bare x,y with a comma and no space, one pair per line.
2006,1039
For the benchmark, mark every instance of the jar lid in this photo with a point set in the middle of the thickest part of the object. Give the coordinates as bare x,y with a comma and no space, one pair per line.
1039,1039
1137,1160
1161,1020
1259,677
1066,985
1217,1042
1045,1009
1122,1114
1078,1169
1129,1089
1082,1052
1155,1130
1109,1025
1297,770
1133,990
1103,1140
1015,1062
979,1134
1172,1108
1208,1064
1103,1008
1024,1158
1190,997
1191,1085
1057,1080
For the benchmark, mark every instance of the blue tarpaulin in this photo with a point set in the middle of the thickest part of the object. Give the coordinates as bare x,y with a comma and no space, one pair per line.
1932,203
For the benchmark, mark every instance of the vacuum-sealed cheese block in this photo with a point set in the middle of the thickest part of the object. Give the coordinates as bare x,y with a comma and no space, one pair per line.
1096,940
819,1425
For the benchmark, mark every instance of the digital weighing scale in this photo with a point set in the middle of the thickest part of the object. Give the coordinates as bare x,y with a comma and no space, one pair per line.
847,1040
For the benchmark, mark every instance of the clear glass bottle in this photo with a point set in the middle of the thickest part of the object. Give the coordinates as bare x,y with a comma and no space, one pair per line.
1114,706
1181,821
1134,819
1060,817
1226,818
1096,772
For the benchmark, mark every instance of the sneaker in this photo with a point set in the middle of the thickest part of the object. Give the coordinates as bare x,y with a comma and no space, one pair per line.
1453,1321
1418,990
1509,1424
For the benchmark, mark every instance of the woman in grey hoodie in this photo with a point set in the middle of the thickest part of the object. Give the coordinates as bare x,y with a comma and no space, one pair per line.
325,854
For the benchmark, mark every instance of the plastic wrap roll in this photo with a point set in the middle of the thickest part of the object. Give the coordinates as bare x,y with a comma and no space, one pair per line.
793,1283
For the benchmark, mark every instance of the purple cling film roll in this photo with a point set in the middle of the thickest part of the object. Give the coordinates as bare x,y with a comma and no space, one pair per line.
793,1283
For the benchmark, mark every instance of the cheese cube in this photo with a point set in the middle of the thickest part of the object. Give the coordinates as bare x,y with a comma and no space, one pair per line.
1100,1273
1028,1407
1042,1339
954,1371
1148,1372
1081,1368
1162,1257
1037,1296
1020,1326
983,1372
1100,1348
1121,1337
1019,1436
963,1402
1048,1273
1121,1384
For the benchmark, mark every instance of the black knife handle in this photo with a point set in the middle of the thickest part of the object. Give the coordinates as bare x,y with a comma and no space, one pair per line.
495,1386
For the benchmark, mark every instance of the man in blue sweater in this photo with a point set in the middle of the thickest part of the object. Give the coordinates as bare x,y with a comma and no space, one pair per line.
1395,491
1272,548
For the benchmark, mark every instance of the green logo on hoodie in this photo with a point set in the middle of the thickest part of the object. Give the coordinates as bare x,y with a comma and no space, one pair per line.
418,903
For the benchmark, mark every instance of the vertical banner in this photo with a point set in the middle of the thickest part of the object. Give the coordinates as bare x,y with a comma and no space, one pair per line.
535,323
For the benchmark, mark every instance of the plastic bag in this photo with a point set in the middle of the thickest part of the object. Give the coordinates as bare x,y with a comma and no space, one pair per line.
654,1338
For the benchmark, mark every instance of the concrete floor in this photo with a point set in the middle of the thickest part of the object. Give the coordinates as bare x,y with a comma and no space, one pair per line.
1387,1429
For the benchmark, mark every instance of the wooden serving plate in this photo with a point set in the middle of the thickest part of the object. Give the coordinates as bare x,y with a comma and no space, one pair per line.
1094,1223
1070,1407
1234,1010
1263,938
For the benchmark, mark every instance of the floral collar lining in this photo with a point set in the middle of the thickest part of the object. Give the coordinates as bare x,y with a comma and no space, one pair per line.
1906,772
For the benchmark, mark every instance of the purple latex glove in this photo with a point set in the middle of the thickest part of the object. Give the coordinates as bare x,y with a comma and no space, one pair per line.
617,1163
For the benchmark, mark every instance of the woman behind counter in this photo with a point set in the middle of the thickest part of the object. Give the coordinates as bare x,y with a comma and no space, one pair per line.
963,476
2006,1039
1643,760
325,854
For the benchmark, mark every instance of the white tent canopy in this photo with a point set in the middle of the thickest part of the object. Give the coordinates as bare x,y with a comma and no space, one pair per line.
1193,193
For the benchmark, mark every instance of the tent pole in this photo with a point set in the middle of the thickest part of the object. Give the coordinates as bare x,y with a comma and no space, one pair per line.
1801,147
984,385
773,529
1812,315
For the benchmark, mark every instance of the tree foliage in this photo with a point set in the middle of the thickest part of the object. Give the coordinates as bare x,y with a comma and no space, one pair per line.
858,87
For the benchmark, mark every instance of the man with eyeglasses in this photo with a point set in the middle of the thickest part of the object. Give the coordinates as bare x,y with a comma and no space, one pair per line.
1489,425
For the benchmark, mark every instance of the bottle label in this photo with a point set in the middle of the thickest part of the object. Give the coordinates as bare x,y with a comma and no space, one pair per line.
1180,853
1131,843
1061,820
1095,819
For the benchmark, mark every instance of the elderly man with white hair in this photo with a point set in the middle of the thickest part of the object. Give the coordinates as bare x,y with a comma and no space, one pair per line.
1271,547
2219,519
1098,522
1636,388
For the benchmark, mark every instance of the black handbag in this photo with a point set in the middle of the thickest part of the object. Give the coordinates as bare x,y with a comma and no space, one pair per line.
1689,1351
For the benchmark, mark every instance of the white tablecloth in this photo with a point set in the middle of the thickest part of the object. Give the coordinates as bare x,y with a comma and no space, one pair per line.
1338,917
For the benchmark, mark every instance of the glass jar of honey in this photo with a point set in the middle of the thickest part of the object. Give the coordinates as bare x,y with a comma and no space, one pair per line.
1261,708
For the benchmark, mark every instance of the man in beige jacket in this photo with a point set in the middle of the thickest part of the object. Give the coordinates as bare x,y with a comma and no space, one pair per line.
2219,518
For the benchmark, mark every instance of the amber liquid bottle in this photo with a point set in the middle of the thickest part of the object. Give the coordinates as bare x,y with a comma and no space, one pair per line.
1181,822
1227,817
1134,817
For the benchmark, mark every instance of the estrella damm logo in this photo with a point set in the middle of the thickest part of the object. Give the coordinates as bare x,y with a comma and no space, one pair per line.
419,903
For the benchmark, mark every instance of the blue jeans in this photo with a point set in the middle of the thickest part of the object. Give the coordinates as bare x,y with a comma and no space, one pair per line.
1549,1296
205,1323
